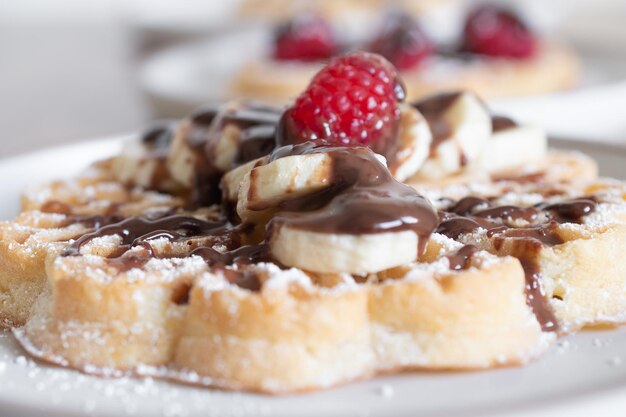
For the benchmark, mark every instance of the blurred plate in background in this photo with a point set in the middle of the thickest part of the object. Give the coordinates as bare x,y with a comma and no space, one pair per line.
181,78
598,32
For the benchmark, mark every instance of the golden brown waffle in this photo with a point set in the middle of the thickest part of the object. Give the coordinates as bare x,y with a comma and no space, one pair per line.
52,215
319,267
577,259
261,328
162,306
555,68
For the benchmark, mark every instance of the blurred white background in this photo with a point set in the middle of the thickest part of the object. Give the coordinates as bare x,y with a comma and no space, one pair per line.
69,68
67,73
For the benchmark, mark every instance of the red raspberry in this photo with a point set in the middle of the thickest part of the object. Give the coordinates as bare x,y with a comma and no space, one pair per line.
402,41
494,31
305,38
353,101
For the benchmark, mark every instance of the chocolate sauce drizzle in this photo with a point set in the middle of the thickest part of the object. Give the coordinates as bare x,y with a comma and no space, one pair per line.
502,225
462,258
140,231
433,109
362,198
158,138
257,126
501,123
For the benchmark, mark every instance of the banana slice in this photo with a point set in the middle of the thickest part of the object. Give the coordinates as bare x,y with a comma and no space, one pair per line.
264,187
342,253
142,161
184,156
231,181
264,184
365,221
415,138
461,128
212,141
512,146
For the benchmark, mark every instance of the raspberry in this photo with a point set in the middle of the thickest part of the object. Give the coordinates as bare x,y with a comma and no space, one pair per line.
494,31
305,38
353,101
402,41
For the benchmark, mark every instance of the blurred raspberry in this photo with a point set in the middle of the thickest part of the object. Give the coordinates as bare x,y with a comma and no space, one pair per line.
402,41
495,31
305,38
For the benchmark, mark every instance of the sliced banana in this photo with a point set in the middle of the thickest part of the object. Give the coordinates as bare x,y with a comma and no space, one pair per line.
184,155
266,186
415,138
461,127
203,145
342,253
513,147
231,181
211,142
143,164
266,189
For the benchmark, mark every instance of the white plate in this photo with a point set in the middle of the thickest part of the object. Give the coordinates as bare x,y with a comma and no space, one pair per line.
182,77
179,79
165,18
588,112
581,376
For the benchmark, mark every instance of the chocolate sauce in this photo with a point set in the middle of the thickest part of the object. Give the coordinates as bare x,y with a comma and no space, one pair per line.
201,121
362,198
243,255
471,213
509,212
433,109
255,142
467,205
158,139
535,295
243,278
462,259
256,125
571,211
454,227
206,178
501,123
247,254
138,231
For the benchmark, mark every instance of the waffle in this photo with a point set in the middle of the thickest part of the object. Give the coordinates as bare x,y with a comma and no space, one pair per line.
341,12
221,257
52,215
554,68
557,230
273,330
